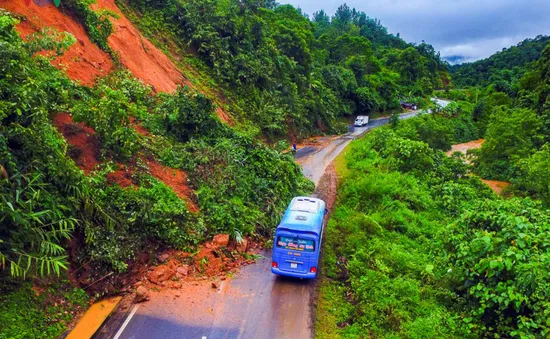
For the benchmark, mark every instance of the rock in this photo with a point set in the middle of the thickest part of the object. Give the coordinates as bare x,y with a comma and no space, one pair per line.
215,285
221,239
174,264
160,274
138,284
163,257
183,270
176,285
243,246
142,294
223,278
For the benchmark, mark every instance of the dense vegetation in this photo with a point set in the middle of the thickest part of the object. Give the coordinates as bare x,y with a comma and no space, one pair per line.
418,247
283,76
503,69
48,203
516,126
288,74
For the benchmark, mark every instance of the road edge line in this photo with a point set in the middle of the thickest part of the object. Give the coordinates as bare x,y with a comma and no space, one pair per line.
93,318
126,322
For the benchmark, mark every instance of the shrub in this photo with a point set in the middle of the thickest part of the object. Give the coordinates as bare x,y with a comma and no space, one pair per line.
512,134
498,255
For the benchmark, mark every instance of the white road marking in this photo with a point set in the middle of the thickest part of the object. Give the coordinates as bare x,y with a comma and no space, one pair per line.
126,322
204,337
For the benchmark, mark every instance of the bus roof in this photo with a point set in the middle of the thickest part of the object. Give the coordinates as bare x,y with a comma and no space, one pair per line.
304,214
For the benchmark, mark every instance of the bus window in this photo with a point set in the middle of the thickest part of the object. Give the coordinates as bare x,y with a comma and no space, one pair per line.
296,244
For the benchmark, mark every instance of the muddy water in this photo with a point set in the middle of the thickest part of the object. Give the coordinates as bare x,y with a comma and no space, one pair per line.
464,147
496,186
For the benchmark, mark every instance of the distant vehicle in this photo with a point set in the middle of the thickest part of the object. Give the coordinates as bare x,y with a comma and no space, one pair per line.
361,120
409,105
298,239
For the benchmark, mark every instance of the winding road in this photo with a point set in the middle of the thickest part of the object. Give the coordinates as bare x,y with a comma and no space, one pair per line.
252,304
315,159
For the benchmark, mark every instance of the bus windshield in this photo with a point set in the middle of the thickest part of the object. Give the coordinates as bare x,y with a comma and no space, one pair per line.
296,244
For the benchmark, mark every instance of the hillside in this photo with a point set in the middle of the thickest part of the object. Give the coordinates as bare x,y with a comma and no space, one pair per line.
508,65
128,128
419,247
288,75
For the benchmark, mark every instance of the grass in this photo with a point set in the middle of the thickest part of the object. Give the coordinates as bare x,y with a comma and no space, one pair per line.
330,300
340,163
27,311
381,278
329,310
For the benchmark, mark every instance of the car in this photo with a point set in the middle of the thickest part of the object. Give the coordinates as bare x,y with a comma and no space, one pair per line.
409,105
361,120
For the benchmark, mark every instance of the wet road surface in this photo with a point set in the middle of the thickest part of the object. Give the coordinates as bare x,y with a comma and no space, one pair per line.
253,304
315,159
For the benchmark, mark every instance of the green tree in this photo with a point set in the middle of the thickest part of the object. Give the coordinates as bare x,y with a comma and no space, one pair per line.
512,134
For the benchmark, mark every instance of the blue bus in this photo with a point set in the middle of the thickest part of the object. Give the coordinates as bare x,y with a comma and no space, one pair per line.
298,239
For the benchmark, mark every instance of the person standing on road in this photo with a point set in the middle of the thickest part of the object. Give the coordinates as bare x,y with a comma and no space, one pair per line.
294,149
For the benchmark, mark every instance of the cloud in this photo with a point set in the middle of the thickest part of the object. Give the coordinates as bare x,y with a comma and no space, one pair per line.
471,28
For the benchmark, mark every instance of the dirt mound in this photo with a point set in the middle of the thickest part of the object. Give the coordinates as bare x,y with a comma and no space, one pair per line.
175,179
82,140
84,61
212,261
139,55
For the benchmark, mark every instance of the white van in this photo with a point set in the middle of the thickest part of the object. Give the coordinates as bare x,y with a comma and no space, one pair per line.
361,120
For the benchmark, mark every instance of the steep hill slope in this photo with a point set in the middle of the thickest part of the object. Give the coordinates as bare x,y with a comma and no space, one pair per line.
84,61
139,55
286,74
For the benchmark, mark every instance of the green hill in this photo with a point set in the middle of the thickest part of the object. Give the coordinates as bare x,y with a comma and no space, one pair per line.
508,65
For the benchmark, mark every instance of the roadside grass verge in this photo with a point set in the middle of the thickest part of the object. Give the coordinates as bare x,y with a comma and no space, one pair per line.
383,277
28,311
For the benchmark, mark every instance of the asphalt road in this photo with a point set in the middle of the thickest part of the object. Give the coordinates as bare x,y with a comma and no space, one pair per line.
315,159
253,304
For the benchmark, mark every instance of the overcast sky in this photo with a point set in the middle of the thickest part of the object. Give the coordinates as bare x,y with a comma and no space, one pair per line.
474,29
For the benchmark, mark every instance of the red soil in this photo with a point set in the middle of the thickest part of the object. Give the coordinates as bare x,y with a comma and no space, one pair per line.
85,146
122,176
84,61
144,60
496,186
175,179
139,55
224,116
212,261
138,128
